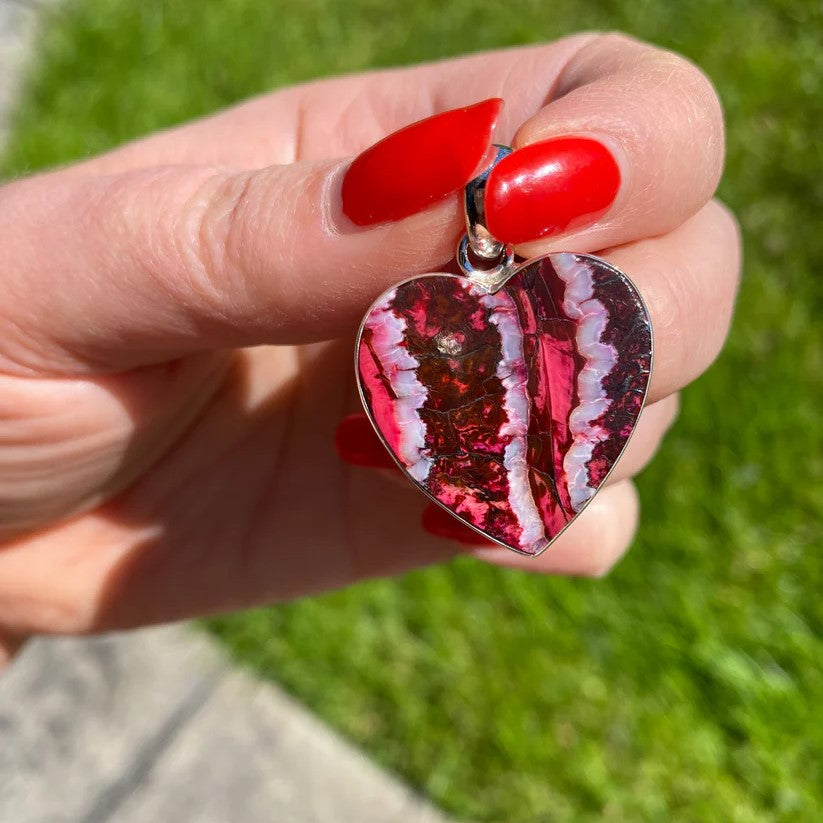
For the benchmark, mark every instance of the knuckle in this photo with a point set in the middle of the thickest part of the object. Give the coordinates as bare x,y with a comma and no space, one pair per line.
691,327
680,75
237,271
153,207
219,216
619,42
211,222
182,223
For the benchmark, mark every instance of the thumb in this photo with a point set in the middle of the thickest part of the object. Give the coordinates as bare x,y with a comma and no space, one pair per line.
105,273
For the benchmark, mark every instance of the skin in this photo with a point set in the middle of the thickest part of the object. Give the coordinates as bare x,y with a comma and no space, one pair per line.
178,317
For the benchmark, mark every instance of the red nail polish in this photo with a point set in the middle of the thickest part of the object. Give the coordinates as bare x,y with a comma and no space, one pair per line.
550,187
418,165
358,444
440,523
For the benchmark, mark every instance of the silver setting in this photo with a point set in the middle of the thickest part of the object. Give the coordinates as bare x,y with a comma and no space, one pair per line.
493,261
525,264
491,278
482,243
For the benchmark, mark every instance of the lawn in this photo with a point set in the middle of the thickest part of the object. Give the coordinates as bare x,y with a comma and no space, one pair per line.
688,684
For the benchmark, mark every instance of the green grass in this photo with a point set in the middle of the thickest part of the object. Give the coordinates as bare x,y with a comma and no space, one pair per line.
686,686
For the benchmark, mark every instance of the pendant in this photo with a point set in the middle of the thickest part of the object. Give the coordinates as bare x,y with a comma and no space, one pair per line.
507,394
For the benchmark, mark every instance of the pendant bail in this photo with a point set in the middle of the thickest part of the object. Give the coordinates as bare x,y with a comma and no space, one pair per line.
481,241
481,256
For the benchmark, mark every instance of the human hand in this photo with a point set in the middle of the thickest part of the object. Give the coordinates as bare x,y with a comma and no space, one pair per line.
177,326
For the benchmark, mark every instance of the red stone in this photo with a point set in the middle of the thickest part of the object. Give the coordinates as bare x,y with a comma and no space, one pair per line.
509,409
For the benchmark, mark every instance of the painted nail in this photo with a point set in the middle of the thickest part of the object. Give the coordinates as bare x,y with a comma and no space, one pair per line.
550,187
418,165
440,523
358,444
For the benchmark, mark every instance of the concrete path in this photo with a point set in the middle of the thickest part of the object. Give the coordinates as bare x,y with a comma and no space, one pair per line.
155,725
18,20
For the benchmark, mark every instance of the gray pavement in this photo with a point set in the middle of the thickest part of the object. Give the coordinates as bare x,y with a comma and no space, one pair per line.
18,25
156,725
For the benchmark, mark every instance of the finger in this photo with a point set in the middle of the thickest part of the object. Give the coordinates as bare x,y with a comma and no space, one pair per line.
252,506
591,545
106,273
236,517
147,265
654,113
688,279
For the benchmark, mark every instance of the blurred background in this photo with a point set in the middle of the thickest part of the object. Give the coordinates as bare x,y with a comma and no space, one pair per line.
688,684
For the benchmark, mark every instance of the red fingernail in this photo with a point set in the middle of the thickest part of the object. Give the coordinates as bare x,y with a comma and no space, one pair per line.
420,164
440,523
358,444
550,187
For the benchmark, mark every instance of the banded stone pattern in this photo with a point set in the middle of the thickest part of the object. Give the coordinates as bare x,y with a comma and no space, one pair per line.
509,408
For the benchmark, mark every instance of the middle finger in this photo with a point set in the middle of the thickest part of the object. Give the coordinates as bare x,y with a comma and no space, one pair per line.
688,279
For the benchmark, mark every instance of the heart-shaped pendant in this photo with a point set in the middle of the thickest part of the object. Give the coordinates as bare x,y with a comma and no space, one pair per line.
511,407
508,394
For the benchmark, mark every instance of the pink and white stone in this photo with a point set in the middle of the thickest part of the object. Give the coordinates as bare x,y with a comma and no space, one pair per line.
509,408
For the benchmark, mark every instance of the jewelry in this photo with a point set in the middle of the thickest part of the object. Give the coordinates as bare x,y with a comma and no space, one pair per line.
508,393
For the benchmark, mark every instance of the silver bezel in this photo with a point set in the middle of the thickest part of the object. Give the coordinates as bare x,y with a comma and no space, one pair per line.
497,287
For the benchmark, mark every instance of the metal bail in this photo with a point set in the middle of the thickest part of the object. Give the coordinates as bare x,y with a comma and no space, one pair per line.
478,242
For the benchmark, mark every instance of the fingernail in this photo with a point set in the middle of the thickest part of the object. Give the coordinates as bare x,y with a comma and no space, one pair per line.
550,187
418,165
440,523
357,443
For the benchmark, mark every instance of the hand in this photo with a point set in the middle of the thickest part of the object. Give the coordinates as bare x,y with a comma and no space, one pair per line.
168,410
